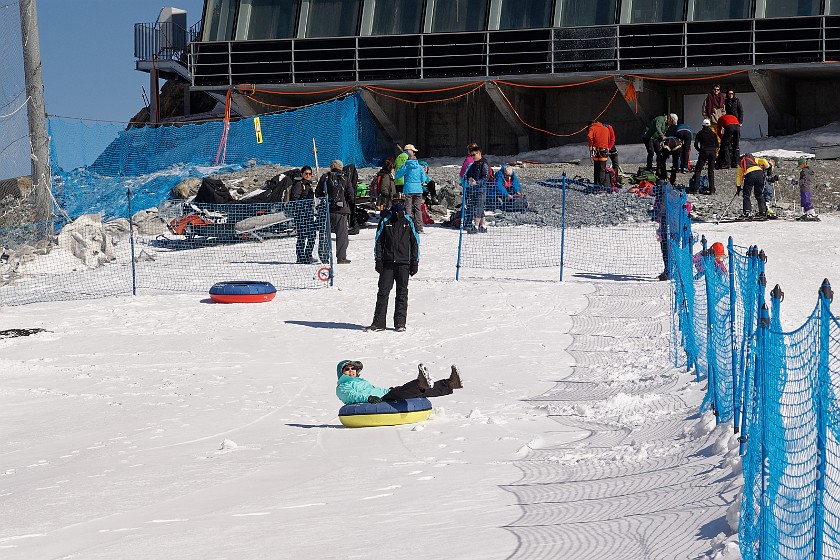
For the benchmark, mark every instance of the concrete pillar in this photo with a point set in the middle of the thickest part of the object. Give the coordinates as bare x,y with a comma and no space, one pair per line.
391,131
778,95
154,92
187,110
523,142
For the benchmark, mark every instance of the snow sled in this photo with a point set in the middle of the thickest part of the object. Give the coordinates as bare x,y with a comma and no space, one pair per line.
385,413
242,291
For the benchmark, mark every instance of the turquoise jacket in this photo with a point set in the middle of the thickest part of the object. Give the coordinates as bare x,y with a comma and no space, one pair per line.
351,390
414,176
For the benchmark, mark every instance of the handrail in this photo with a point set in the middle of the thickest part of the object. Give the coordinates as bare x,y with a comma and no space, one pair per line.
607,48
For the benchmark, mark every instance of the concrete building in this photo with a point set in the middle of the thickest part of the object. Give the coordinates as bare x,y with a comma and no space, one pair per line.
443,73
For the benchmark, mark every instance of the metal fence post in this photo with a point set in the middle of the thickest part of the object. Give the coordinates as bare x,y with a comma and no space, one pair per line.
131,240
733,346
562,223
711,374
461,228
823,383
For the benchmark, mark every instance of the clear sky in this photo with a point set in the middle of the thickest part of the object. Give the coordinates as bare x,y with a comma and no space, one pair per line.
87,54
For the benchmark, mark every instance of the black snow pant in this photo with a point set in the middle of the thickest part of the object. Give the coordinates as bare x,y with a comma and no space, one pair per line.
390,274
305,226
730,146
614,159
412,390
651,152
662,165
707,159
754,185
339,226
599,172
685,152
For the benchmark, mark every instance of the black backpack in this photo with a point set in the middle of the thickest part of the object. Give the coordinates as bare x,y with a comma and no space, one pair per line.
213,191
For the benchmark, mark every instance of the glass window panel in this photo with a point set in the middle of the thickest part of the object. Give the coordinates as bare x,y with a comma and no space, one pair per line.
790,8
653,11
525,14
218,20
459,15
332,18
395,17
721,9
586,12
271,19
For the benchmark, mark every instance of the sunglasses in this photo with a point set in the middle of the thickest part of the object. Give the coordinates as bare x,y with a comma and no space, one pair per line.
348,368
307,174
717,89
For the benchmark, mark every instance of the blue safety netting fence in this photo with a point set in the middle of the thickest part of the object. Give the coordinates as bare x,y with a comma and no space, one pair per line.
561,223
779,389
105,242
94,163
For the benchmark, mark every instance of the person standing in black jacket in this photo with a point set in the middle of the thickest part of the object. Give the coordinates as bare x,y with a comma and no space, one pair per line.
706,143
733,106
397,256
342,196
301,199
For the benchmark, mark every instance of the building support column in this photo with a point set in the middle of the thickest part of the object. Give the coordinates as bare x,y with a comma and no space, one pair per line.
778,96
522,139
154,93
391,131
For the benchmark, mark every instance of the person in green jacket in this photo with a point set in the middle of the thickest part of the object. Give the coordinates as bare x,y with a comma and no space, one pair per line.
653,135
407,152
352,389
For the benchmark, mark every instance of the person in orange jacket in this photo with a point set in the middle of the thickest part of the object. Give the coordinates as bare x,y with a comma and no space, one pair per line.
600,139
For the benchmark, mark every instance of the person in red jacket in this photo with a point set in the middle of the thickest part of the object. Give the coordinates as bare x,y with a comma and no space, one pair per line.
729,132
600,140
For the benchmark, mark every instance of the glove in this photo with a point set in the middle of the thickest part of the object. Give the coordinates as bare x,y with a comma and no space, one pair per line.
378,267
737,191
374,400
774,178
413,270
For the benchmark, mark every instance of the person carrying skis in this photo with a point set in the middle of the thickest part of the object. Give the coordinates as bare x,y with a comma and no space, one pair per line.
396,255
352,389
806,185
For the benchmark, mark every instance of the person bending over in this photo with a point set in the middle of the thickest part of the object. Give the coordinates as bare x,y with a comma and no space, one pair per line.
352,389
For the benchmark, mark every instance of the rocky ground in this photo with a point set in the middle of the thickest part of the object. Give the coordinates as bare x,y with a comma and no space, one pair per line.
826,195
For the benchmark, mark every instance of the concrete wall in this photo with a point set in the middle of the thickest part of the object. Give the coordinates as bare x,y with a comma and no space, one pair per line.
817,104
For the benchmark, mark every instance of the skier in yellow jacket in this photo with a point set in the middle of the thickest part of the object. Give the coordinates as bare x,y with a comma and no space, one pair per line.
750,180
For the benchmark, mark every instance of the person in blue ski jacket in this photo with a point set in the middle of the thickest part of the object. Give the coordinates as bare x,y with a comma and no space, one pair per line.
508,191
415,177
352,389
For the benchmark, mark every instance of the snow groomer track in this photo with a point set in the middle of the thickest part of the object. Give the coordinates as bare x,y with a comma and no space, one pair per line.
639,480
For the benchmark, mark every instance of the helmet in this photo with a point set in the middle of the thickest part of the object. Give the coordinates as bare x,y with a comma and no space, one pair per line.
718,250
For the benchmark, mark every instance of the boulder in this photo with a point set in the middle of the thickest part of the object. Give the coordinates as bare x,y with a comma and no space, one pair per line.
185,189
148,222
87,239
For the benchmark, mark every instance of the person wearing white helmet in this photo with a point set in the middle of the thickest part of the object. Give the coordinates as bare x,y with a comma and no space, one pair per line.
706,143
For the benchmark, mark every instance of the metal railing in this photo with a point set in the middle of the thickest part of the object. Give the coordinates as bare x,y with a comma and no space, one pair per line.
619,48
163,40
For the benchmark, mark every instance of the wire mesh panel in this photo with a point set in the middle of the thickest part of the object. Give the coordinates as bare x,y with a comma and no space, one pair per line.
583,228
286,244
14,125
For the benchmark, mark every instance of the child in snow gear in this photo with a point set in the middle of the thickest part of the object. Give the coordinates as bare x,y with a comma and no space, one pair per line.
806,184
396,255
352,389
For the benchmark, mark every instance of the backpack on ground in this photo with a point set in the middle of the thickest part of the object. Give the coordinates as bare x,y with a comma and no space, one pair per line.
703,187
612,175
643,174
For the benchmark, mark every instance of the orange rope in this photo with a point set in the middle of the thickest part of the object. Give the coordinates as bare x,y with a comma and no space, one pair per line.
222,151
559,86
254,99
686,79
481,84
515,112
371,88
